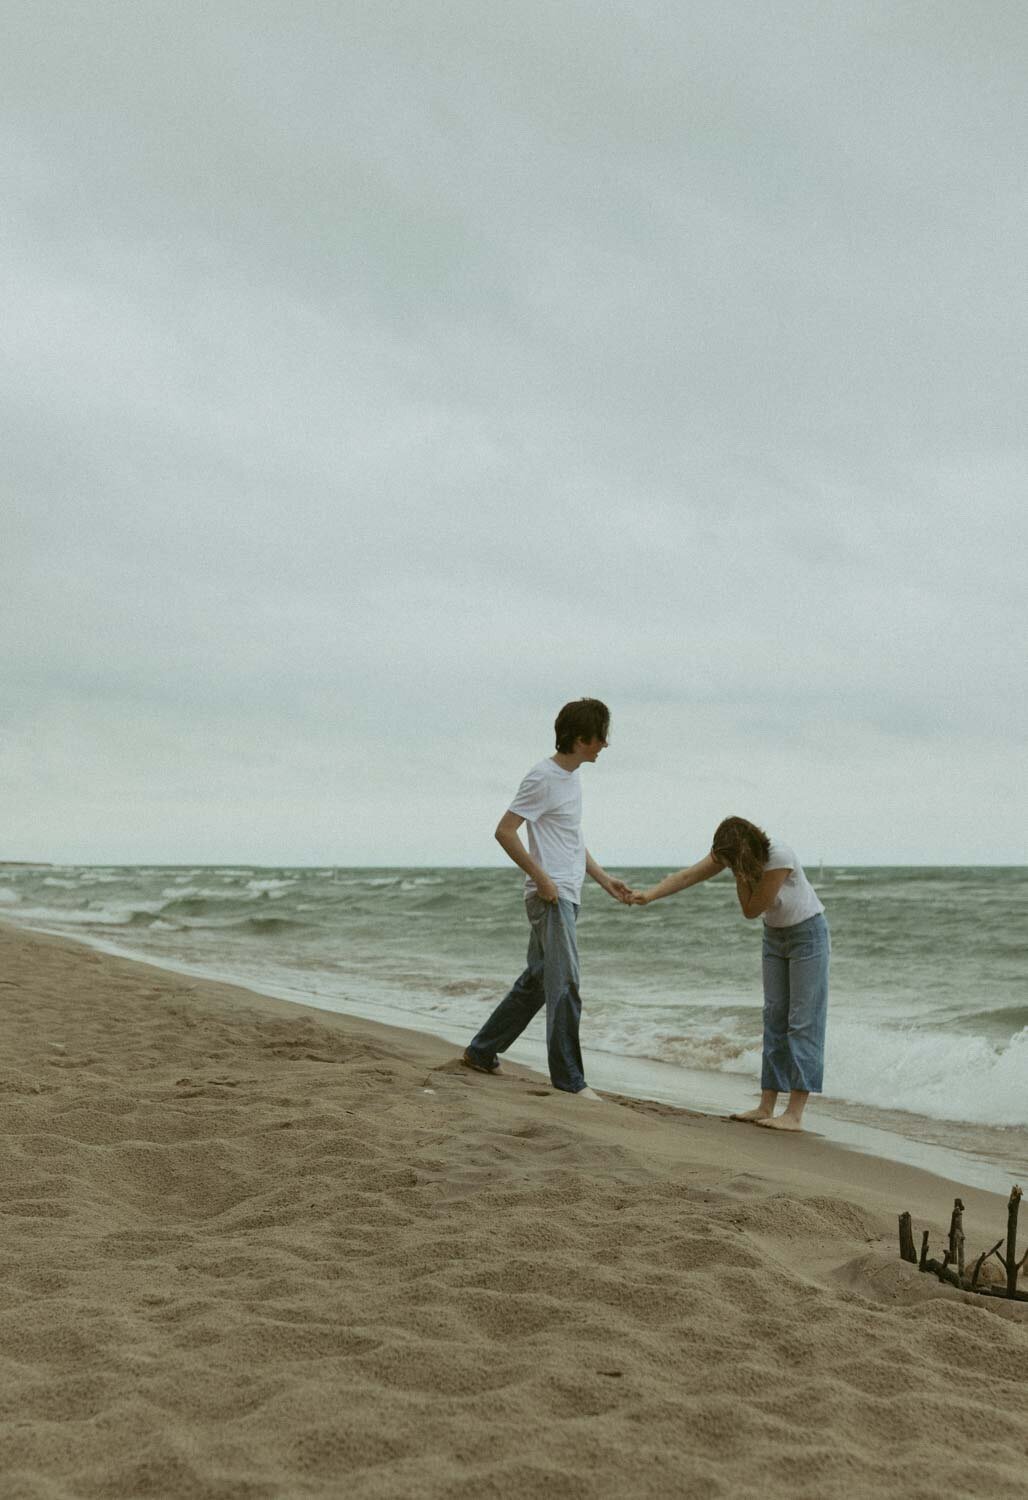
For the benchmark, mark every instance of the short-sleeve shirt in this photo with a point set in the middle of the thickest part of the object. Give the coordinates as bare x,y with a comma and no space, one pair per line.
550,801
797,900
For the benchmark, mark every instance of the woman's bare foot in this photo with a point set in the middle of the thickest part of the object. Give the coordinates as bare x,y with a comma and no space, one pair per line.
763,1111
588,1093
782,1122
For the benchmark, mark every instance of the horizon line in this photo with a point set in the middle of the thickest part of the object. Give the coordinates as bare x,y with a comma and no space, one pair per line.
54,864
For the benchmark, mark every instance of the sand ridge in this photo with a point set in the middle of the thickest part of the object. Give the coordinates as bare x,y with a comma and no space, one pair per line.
250,1250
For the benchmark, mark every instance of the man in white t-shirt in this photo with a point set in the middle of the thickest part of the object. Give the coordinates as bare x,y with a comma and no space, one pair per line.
555,863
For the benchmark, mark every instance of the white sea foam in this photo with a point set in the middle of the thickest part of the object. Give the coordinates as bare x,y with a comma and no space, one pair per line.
116,915
941,1075
272,887
928,1072
202,892
7,896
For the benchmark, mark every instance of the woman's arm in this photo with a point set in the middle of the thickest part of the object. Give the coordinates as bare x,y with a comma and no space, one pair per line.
704,869
756,902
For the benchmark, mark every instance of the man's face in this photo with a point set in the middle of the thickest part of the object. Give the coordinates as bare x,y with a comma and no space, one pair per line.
589,749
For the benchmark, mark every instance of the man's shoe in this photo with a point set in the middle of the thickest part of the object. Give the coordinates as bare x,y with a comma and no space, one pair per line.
471,1061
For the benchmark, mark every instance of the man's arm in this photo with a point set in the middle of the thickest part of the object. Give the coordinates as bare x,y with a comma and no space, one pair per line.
616,888
507,838
703,869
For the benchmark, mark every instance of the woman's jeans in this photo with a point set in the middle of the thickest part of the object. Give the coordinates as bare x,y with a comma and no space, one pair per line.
551,978
795,1005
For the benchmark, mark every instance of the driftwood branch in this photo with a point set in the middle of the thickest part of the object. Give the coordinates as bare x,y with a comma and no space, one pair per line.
951,1268
980,1262
1010,1262
955,1253
906,1233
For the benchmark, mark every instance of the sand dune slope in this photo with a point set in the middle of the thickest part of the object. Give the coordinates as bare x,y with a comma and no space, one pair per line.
249,1252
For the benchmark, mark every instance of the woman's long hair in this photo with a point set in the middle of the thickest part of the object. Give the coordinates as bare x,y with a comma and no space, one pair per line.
743,847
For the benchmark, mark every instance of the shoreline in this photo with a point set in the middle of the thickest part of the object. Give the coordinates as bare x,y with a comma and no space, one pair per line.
846,1164
252,1249
711,1094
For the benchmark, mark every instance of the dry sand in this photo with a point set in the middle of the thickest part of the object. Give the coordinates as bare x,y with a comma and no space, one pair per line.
254,1250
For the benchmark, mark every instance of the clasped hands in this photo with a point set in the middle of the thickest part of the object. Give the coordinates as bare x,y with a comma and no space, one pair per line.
625,894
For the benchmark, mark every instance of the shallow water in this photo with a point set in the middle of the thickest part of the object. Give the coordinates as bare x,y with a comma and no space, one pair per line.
928,1033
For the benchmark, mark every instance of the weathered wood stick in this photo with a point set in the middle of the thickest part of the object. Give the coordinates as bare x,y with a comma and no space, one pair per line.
906,1233
1009,1261
943,1271
955,1253
980,1262
999,1291
951,1268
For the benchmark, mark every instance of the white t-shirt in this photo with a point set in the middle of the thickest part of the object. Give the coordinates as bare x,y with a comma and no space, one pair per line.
550,801
797,900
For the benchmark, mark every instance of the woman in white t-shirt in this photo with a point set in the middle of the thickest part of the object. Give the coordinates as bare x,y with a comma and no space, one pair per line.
770,883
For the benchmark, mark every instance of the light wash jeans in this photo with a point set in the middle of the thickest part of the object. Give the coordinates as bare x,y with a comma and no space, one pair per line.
550,979
796,963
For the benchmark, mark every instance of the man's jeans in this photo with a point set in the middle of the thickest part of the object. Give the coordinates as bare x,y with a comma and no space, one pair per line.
551,978
795,1005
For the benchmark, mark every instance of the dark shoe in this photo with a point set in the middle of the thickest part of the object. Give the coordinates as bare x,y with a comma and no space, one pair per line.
470,1061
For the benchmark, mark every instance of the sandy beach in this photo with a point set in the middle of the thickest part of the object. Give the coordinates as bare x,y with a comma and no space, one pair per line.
253,1251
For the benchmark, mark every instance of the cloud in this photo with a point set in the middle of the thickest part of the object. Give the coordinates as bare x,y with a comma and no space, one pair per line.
379,378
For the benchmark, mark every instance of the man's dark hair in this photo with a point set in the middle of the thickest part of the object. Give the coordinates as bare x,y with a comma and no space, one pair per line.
582,719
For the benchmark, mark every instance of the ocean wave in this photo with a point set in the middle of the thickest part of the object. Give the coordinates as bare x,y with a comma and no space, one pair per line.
270,926
189,905
707,1047
921,1071
1006,1021
7,896
123,914
475,987
198,923
928,1072
437,901
200,896
917,1070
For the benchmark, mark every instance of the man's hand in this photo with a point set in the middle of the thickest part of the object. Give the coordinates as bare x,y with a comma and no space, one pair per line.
640,898
620,891
545,889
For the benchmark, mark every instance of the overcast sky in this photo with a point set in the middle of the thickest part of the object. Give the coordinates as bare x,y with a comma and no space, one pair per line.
378,376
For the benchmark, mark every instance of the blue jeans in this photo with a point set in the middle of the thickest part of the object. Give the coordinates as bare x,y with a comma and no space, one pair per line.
551,978
795,1005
